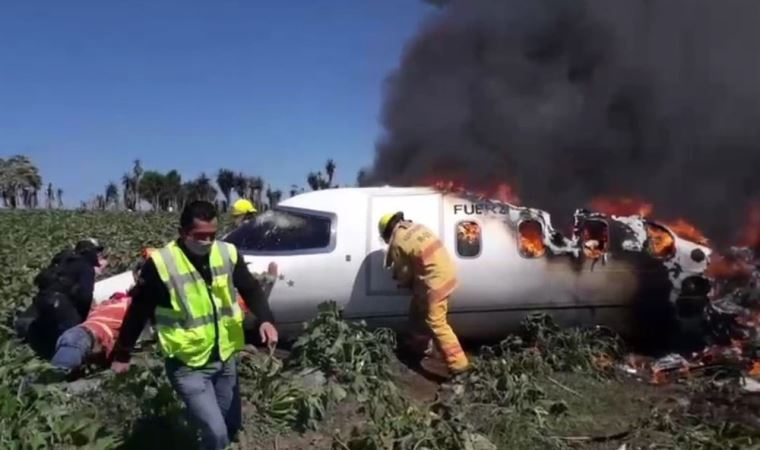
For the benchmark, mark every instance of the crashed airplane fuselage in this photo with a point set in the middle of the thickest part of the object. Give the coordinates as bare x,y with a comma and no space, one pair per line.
623,272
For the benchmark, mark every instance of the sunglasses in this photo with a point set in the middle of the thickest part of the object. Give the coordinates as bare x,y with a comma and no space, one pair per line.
202,235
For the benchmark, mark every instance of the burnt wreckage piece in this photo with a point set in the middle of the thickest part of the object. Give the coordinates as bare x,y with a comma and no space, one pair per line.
668,267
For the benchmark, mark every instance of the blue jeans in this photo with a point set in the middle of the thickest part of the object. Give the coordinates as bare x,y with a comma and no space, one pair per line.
212,396
72,348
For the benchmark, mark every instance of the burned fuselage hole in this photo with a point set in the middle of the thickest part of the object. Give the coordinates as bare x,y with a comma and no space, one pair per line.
531,238
468,239
660,242
595,237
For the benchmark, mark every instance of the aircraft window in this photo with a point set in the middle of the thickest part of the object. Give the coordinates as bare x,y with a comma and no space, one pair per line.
280,230
594,236
531,235
468,239
660,242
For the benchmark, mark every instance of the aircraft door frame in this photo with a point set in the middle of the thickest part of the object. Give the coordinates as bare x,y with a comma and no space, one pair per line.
425,208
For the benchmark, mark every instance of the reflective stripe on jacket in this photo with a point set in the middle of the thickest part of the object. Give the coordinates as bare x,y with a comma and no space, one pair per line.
420,260
186,331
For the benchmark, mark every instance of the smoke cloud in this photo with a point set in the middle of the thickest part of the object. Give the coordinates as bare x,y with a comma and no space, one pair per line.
569,100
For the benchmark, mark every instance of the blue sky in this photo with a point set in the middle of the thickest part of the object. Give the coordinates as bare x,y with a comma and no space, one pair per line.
88,86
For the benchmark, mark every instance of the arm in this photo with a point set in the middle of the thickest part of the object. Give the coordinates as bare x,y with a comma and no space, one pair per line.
147,293
251,291
400,266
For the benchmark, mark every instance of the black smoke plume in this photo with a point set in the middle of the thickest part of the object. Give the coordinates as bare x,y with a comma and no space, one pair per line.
569,100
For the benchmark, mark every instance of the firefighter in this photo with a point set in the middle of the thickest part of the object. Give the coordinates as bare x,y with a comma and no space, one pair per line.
419,261
243,210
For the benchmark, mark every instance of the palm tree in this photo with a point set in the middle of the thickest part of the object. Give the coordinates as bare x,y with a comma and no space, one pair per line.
137,170
172,191
50,196
20,182
128,191
152,185
200,189
256,185
362,177
313,180
226,180
240,185
100,202
330,170
273,197
112,194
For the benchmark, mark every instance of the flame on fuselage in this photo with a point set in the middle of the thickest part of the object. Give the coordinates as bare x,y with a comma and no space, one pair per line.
468,231
661,241
531,237
501,192
688,231
624,206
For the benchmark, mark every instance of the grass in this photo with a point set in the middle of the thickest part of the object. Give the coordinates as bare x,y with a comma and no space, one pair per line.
543,389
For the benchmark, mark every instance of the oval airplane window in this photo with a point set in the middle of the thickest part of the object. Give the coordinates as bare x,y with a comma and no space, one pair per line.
660,242
531,236
279,230
468,239
594,237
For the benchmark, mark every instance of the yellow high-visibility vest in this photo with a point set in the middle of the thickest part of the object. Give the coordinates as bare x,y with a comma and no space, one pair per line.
186,330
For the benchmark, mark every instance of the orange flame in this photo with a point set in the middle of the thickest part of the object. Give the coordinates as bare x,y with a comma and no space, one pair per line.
661,242
531,239
624,206
469,231
502,192
688,231
751,233
594,237
728,269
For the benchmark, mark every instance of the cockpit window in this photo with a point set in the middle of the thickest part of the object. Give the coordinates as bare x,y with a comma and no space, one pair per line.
531,236
594,236
282,230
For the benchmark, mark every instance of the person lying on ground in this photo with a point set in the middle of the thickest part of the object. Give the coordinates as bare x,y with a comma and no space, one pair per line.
93,340
64,297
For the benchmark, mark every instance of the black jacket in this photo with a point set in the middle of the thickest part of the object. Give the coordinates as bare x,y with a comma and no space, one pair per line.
74,278
150,291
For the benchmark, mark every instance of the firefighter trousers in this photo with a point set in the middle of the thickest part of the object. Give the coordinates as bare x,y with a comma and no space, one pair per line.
428,321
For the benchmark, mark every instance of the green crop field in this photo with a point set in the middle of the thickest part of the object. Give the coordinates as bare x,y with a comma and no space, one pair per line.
340,385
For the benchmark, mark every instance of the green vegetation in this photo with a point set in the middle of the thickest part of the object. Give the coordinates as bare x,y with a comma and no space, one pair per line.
341,386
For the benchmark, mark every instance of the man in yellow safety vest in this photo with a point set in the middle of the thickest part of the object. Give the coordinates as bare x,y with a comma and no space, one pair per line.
189,286
420,261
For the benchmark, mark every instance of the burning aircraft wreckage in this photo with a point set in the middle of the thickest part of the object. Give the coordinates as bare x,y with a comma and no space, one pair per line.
616,268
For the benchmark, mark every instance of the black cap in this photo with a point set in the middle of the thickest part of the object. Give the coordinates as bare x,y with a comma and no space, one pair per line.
89,244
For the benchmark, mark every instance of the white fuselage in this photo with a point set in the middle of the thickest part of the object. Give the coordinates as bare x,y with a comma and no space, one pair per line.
341,258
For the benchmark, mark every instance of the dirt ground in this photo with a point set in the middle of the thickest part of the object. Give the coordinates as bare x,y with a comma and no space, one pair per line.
603,414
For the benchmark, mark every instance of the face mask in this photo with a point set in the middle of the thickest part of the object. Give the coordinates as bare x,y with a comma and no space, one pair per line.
197,247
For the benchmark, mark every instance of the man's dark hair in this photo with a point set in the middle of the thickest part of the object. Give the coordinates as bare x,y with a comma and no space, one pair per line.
198,209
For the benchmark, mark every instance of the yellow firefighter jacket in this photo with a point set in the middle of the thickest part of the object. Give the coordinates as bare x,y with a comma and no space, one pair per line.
421,262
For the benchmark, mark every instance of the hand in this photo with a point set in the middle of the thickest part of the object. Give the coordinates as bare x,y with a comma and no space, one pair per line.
120,367
268,334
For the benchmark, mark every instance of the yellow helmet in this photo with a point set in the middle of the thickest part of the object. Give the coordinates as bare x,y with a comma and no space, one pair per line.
387,221
242,207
